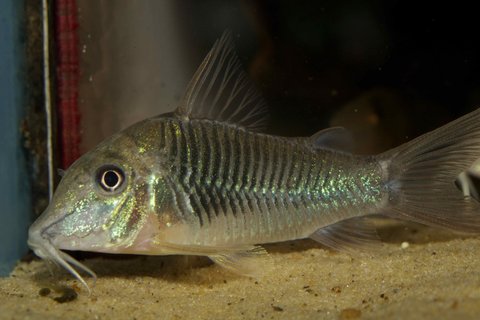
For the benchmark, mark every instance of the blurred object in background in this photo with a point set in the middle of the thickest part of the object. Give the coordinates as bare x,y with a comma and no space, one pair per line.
382,118
133,62
67,71
136,57
376,119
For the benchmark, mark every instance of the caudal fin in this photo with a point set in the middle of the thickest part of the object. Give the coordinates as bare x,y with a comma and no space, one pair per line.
422,176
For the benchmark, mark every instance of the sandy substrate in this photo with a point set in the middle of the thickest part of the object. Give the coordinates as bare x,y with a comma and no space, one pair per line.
436,277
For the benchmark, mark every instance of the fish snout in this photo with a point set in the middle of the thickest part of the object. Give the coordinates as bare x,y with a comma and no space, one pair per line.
35,241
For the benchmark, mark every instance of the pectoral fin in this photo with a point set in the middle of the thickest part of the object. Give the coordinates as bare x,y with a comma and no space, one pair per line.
247,260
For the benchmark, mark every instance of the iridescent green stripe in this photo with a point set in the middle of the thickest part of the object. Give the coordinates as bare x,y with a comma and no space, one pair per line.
263,186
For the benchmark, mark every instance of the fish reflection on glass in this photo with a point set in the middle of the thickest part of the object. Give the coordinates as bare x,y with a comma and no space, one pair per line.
204,180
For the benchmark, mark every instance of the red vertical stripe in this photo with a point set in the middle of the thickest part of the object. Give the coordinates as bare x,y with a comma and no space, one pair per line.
67,68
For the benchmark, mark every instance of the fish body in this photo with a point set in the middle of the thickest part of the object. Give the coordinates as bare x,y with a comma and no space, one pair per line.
204,180
223,185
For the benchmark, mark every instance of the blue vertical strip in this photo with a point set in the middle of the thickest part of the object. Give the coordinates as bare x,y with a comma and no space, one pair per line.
14,187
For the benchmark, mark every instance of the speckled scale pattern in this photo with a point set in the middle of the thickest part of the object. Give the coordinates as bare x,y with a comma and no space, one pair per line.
246,187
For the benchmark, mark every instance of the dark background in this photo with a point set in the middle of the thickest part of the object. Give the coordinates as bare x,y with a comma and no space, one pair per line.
398,68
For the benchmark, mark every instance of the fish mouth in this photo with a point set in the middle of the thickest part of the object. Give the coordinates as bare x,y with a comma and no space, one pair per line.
44,249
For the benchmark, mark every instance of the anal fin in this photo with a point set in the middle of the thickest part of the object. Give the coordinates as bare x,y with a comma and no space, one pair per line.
350,235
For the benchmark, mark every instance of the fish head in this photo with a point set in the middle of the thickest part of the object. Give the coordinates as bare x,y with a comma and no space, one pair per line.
100,203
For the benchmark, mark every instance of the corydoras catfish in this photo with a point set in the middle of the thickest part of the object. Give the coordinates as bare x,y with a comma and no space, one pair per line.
204,180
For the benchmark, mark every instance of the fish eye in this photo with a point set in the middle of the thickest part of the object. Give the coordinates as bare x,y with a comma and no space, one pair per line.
110,178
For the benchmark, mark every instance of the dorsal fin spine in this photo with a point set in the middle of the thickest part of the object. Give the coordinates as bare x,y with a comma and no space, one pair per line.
221,91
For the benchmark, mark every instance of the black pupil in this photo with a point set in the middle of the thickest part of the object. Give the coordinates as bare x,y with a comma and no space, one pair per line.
111,178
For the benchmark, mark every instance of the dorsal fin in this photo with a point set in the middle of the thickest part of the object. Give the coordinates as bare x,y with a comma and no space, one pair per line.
337,138
220,90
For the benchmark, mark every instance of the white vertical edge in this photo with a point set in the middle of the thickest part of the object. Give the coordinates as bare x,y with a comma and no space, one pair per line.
48,97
